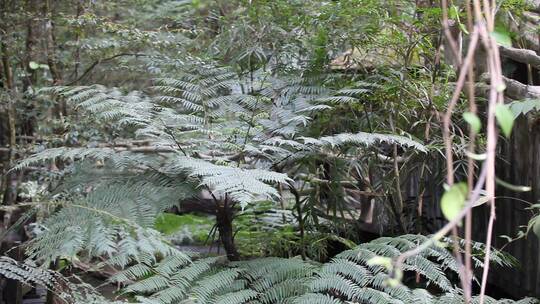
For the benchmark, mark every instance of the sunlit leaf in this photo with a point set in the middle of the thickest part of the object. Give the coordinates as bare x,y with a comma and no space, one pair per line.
505,118
502,36
33,65
453,200
473,121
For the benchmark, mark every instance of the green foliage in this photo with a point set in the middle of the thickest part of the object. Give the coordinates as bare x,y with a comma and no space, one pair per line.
118,210
284,119
348,277
502,35
264,230
524,107
31,275
505,118
453,200
184,227
515,7
365,139
473,121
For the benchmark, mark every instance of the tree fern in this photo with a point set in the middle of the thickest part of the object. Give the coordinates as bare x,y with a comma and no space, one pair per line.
54,282
365,139
204,135
346,279
171,277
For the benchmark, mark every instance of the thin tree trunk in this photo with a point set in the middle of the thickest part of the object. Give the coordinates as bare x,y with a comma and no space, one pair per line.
80,11
52,58
399,204
30,52
30,78
10,190
300,219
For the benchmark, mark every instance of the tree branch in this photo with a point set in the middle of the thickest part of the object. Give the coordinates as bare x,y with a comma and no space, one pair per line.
521,55
98,62
518,90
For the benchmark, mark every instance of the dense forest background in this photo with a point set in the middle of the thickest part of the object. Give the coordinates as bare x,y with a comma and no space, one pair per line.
269,151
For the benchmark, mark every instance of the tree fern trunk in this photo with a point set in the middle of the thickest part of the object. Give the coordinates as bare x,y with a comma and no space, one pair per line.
225,228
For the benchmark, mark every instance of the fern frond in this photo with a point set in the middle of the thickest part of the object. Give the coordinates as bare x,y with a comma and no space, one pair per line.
239,297
316,298
211,284
364,139
242,185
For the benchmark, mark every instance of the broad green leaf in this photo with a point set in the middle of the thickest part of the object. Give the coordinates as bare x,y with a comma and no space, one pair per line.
505,118
502,35
517,108
473,121
531,105
453,200
524,106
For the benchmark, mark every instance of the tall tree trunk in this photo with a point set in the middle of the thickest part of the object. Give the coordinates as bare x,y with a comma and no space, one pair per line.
12,289
52,58
27,125
80,11
10,190
30,52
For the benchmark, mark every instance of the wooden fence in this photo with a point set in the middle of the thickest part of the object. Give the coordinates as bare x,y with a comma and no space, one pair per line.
519,164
